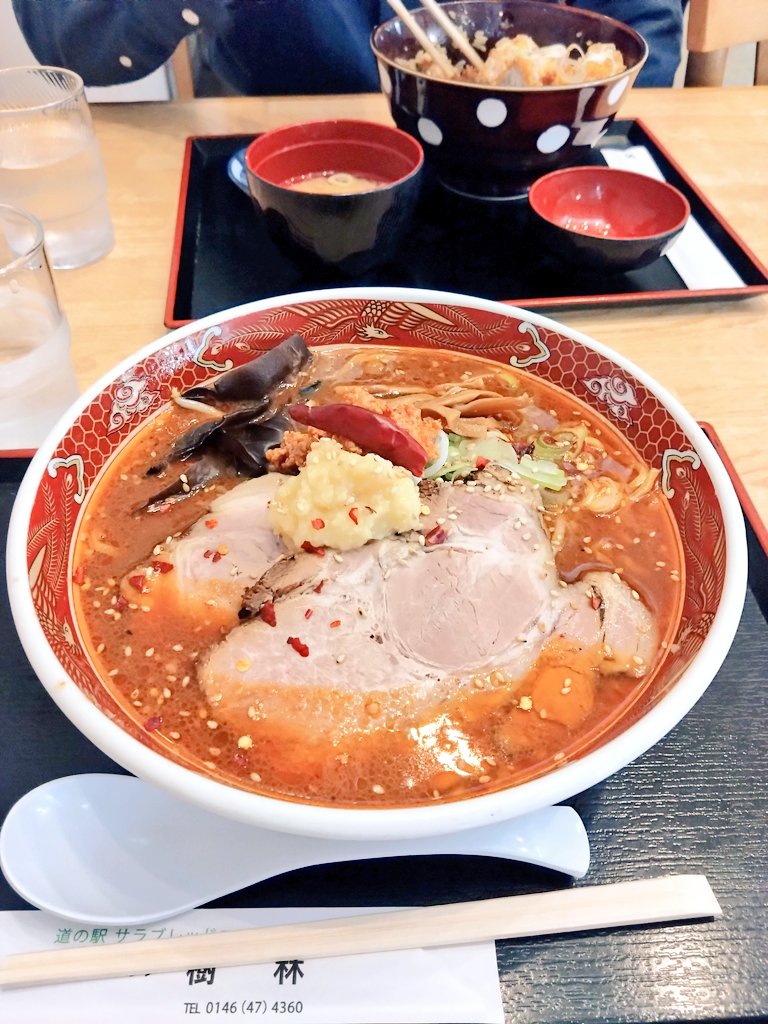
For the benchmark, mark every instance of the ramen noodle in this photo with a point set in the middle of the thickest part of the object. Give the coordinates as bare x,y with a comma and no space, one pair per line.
423,577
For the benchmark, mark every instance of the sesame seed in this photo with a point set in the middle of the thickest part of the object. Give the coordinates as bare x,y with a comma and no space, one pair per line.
525,703
255,777
377,788
128,651
245,742
212,724
242,664
149,652
175,735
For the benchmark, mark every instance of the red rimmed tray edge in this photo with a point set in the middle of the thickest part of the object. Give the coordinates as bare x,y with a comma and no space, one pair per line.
559,302
747,505
178,233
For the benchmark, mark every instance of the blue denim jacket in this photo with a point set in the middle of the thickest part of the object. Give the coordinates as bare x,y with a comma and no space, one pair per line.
270,47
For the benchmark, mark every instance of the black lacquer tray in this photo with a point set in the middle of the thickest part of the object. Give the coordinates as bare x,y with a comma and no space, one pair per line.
697,802
223,255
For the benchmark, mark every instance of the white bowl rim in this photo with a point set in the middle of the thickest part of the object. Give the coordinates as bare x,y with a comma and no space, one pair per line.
386,823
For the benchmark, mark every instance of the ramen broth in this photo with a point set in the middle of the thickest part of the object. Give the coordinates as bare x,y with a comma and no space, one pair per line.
333,183
469,739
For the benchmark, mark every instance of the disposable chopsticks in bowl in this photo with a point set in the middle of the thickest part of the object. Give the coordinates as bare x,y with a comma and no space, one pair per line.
619,904
422,38
450,28
453,32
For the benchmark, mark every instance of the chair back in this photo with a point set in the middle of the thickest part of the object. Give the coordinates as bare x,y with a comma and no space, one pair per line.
714,26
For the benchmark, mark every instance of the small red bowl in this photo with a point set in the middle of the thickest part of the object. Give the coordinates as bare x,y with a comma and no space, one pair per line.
607,219
351,231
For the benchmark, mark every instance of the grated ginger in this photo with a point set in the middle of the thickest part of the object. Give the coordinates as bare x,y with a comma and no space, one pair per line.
342,500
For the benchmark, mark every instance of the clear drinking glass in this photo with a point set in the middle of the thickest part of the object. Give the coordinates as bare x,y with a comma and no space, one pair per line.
50,162
37,380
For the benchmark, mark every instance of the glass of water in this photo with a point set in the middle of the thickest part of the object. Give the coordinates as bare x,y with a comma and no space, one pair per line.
37,380
50,162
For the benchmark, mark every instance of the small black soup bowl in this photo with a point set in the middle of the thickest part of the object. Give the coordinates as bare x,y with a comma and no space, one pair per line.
606,219
368,177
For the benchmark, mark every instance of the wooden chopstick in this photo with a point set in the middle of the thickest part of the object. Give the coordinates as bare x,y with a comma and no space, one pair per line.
422,38
615,905
452,30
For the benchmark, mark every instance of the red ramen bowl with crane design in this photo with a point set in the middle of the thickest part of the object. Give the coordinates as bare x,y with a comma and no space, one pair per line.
69,618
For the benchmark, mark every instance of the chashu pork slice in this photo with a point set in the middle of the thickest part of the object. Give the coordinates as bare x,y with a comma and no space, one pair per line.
397,624
206,569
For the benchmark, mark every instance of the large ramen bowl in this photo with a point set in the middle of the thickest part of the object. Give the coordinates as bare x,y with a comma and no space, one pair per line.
49,589
493,141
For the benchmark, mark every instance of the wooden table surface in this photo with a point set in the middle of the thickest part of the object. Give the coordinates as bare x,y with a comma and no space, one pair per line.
709,354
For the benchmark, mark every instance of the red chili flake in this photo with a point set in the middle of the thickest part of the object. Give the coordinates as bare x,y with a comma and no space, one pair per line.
336,623
78,576
318,524
241,759
595,602
436,535
216,556
319,587
208,553
153,723
306,546
267,613
121,604
298,646
139,582
161,566
308,613
211,523
353,515
481,462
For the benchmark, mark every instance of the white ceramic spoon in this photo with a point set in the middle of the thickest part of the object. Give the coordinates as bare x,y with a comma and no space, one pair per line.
113,850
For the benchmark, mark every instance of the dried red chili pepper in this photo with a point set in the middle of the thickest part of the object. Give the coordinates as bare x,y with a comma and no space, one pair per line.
436,535
267,613
161,567
370,430
139,583
353,515
481,462
307,546
318,524
298,646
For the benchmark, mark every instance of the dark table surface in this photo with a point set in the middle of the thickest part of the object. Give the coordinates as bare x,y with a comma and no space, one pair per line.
696,803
